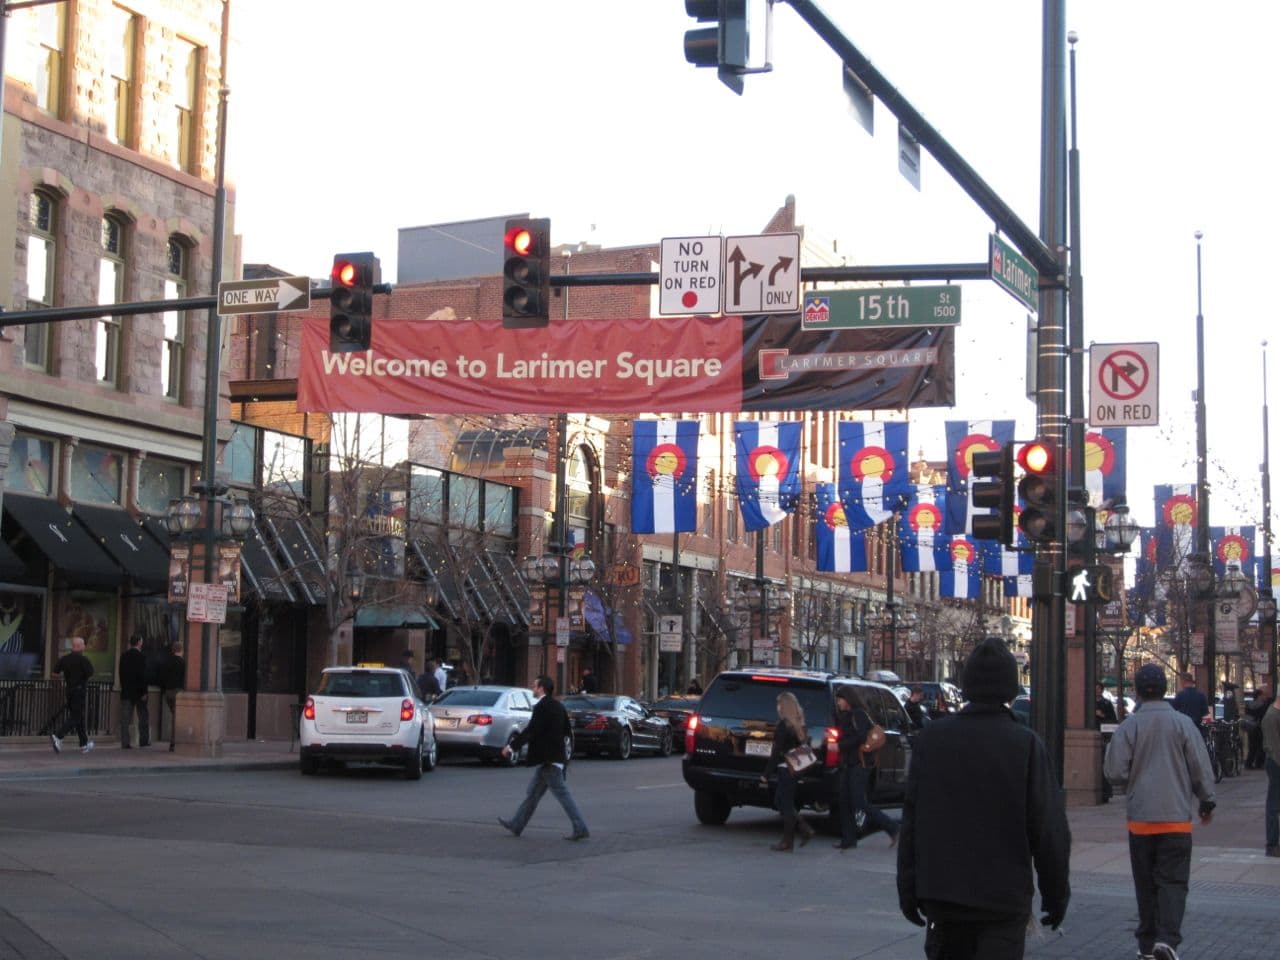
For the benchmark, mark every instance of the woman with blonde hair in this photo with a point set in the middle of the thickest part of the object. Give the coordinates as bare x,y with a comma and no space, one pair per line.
791,732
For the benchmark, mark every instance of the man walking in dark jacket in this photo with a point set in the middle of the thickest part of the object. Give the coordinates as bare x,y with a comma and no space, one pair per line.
133,693
547,734
982,808
75,670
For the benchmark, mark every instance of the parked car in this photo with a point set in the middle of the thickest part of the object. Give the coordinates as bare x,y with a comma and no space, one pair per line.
677,708
728,741
364,713
941,698
606,723
479,721
1021,708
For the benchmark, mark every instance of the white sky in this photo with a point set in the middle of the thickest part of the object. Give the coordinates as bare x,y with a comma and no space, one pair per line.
586,112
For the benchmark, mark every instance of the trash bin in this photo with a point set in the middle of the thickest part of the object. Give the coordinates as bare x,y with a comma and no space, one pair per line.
295,718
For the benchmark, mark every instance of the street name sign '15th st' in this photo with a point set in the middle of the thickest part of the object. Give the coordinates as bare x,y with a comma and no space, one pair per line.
268,295
881,307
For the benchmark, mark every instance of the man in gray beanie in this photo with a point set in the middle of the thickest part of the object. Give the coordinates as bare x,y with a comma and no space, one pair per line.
983,807
1158,758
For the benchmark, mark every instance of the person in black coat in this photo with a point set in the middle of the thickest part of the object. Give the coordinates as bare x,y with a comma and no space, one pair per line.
172,678
1104,710
1255,711
983,808
75,669
853,777
791,732
548,735
133,693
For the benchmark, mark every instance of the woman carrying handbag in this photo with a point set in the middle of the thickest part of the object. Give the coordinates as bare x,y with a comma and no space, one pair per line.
854,774
790,733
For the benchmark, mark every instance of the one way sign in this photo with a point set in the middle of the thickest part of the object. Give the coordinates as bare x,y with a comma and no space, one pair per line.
762,273
268,295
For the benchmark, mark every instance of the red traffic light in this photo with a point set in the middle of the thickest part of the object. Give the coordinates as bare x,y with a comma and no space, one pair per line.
520,241
1036,457
344,273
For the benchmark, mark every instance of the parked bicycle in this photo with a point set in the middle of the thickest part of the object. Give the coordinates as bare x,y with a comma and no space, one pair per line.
1211,744
1226,748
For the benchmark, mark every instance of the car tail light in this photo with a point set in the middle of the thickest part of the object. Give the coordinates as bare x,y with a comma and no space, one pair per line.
689,731
767,679
309,711
832,759
406,709
480,720
597,723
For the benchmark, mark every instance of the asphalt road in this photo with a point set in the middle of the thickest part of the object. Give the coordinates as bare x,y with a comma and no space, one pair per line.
270,864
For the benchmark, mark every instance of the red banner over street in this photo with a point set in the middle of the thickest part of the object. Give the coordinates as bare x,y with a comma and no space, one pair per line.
622,366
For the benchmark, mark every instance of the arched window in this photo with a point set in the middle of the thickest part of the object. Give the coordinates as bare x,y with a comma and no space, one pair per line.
42,224
173,361
106,350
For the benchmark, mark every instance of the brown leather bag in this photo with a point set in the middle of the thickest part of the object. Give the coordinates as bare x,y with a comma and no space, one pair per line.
874,740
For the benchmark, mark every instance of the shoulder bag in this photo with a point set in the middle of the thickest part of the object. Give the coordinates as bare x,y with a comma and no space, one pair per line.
874,739
801,758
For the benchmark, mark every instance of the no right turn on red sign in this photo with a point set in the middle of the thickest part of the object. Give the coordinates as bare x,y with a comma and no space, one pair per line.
1123,385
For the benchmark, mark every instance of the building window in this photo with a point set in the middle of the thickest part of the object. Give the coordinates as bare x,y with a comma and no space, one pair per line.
51,34
41,269
186,90
30,467
731,518
110,290
175,321
122,37
159,481
95,474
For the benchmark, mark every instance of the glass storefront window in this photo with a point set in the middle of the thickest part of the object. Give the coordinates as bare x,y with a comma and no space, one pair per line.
426,495
499,510
238,455
284,466
96,474
30,466
464,502
159,481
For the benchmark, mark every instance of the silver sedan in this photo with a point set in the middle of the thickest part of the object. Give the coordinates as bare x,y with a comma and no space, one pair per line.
480,721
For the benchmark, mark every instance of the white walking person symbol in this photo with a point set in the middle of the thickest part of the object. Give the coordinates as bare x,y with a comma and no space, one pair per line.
1080,587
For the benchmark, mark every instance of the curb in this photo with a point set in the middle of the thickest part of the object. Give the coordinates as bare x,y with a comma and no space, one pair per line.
56,773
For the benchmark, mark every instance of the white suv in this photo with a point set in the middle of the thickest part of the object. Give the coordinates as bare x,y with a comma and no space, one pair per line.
367,713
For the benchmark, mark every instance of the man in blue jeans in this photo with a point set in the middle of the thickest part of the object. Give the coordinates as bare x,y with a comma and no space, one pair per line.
1158,758
546,735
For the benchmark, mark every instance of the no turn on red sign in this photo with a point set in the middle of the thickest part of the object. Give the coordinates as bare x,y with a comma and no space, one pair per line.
1123,385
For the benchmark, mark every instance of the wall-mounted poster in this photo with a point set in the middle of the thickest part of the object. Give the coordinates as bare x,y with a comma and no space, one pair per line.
21,634
94,617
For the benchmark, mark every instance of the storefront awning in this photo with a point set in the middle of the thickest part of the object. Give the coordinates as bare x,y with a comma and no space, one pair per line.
263,572
394,615
513,586
491,596
66,543
123,537
440,567
303,557
11,565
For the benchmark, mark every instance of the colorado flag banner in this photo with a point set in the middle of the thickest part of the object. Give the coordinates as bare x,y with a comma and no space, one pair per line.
840,550
1104,464
768,471
964,439
962,578
873,473
921,529
1176,513
1013,566
1233,547
664,488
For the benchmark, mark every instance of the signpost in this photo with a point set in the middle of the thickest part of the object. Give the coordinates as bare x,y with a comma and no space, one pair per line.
881,307
670,633
1014,272
689,275
562,632
762,274
269,295
207,603
1123,384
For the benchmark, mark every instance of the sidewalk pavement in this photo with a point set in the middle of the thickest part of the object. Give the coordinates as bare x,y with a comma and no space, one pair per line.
1228,850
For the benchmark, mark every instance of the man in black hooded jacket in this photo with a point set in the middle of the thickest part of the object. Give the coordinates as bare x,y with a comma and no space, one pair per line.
982,807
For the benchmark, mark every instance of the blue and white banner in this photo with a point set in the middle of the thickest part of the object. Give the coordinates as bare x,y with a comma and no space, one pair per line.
1105,464
1019,586
1000,561
1176,513
1234,547
922,536
962,578
664,486
768,471
840,549
873,471
964,439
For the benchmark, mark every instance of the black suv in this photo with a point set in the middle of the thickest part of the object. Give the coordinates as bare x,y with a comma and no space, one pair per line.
727,743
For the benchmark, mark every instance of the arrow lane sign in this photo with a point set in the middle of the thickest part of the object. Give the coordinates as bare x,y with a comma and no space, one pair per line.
737,258
268,295
783,265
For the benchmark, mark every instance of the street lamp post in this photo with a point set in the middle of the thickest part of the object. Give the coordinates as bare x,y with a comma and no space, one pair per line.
1202,485
1267,603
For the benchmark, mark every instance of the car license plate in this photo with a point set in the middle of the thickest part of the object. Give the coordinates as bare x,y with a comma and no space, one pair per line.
758,748
357,716
448,723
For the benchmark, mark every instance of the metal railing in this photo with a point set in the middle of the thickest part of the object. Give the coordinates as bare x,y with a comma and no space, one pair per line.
30,708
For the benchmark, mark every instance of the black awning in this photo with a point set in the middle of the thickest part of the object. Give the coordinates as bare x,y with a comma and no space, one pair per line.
263,572
11,565
123,537
512,584
490,595
439,566
303,558
66,543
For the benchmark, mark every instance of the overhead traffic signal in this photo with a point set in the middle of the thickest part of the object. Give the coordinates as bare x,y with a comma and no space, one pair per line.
354,276
526,273
1039,492
995,493
724,46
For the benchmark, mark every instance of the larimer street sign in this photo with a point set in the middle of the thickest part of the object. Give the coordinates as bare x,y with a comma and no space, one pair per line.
269,295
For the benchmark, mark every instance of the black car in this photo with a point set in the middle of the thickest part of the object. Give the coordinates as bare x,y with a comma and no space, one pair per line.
728,741
677,708
617,725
